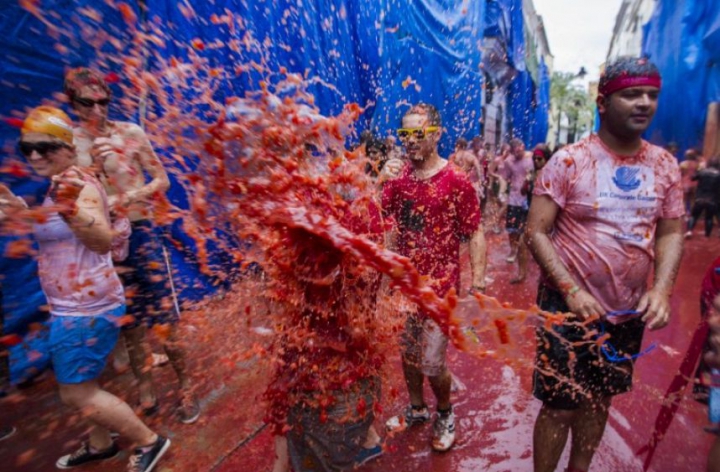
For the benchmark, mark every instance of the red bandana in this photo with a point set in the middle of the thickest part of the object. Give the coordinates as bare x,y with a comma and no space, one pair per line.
624,82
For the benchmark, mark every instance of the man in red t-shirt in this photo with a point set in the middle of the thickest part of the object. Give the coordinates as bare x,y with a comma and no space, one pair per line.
434,208
606,211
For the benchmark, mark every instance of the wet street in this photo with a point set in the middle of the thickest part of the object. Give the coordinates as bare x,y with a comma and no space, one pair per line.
495,408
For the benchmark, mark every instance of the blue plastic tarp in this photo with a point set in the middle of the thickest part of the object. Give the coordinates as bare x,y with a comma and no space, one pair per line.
683,39
384,55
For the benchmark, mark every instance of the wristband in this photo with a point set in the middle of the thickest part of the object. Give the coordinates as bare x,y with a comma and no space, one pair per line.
570,293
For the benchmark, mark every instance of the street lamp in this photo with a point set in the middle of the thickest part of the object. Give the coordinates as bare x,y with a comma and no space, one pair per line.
581,73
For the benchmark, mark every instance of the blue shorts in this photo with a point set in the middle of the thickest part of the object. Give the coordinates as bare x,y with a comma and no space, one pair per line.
80,345
146,276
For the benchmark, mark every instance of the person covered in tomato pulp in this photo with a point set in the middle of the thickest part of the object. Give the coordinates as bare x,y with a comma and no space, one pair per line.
434,208
605,212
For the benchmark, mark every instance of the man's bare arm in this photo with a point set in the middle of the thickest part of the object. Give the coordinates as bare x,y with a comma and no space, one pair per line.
150,163
668,253
541,220
478,258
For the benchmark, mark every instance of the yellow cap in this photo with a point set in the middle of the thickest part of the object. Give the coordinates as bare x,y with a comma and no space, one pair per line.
49,120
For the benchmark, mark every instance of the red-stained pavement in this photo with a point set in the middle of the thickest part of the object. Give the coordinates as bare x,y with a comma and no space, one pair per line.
495,410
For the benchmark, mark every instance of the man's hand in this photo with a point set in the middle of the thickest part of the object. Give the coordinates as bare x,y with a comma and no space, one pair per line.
655,306
9,202
103,151
391,169
584,305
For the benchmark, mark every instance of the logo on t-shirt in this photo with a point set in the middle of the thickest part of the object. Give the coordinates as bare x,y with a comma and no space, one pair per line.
410,218
626,178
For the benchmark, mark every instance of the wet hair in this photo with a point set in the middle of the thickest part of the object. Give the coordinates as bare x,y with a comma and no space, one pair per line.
691,153
516,142
461,143
366,136
543,149
627,67
373,168
81,77
376,145
426,109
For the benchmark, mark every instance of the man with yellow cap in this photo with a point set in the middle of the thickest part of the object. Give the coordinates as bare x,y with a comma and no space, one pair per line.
85,295
122,155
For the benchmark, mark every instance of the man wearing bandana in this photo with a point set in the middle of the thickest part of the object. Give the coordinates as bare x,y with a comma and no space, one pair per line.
606,212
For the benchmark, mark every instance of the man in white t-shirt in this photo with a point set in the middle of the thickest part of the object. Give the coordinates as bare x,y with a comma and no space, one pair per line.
606,212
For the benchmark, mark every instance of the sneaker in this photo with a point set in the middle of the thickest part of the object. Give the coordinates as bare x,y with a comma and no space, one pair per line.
7,432
85,455
367,454
688,235
144,459
511,258
444,432
412,416
159,360
189,410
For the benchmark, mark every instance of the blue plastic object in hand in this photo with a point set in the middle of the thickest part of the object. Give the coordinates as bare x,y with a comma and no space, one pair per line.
609,351
714,400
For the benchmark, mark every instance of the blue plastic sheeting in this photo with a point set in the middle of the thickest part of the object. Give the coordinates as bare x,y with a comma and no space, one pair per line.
540,123
384,54
683,39
429,51
504,20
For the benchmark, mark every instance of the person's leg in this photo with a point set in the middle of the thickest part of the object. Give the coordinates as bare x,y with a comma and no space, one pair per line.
141,363
417,412
441,388
106,411
6,431
710,212
713,463
414,381
282,460
588,428
514,238
372,439
523,255
695,213
176,354
550,436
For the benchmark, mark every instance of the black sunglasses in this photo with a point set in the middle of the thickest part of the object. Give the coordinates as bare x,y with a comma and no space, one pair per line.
42,147
89,103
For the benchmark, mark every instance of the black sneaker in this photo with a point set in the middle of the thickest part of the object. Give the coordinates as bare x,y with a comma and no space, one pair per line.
84,456
144,459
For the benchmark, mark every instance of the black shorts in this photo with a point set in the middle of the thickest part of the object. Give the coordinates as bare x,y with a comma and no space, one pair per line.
571,368
516,219
146,275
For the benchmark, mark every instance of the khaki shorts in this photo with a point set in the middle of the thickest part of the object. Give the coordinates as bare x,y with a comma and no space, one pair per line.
424,345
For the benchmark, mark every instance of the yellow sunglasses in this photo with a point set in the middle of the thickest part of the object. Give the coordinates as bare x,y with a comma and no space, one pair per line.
418,133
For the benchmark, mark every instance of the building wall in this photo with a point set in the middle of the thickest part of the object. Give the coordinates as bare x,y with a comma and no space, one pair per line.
495,121
627,34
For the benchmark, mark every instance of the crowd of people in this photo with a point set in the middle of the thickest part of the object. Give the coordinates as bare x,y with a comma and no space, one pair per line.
599,216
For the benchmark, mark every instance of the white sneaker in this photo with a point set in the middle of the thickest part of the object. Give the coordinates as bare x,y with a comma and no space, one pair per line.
444,432
511,258
409,417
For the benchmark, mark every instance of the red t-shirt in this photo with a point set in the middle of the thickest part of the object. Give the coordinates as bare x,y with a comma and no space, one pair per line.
432,217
